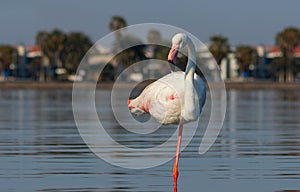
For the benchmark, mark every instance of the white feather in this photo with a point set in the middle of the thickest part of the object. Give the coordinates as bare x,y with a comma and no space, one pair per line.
158,97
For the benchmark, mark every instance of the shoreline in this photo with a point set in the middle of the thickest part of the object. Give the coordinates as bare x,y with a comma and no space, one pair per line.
108,85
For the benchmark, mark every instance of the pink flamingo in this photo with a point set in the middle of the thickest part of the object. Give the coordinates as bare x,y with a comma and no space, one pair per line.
176,98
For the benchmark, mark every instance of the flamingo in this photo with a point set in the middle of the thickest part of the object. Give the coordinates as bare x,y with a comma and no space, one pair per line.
176,98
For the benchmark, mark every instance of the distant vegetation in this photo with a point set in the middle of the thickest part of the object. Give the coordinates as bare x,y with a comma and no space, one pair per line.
219,47
65,51
7,54
287,40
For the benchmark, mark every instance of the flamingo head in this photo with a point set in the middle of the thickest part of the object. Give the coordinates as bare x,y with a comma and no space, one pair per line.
179,41
134,109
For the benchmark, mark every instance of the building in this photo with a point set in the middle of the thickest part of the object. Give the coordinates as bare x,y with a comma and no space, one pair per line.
261,68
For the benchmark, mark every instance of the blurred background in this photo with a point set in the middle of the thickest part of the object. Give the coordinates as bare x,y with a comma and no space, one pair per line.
45,41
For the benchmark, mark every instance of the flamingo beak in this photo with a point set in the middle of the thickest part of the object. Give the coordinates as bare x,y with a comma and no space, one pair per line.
128,103
173,54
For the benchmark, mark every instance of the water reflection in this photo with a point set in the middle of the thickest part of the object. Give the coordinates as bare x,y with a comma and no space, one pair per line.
258,148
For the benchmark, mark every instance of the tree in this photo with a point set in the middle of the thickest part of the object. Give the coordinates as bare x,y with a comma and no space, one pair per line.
52,45
63,50
219,47
7,54
244,56
135,51
158,46
117,22
287,40
76,46
115,25
154,37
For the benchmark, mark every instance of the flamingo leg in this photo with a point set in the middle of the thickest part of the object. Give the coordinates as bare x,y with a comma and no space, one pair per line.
175,169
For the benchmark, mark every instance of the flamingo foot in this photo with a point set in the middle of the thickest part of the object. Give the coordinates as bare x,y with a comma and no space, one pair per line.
175,177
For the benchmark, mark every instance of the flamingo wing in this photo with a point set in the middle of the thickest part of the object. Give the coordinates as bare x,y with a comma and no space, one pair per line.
163,99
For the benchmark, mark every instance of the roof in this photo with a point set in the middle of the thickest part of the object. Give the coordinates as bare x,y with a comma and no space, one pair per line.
31,50
274,51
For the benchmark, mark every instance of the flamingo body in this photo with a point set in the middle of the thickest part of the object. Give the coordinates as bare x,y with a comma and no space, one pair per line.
163,99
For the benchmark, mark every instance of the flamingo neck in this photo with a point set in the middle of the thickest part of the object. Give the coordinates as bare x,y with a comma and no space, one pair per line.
189,105
191,64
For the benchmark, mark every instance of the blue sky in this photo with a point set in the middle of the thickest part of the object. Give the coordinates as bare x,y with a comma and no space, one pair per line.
243,22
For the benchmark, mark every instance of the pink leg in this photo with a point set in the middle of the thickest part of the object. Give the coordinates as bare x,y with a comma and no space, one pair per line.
175,169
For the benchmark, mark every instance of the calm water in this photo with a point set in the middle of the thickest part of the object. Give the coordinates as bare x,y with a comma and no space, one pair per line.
257,150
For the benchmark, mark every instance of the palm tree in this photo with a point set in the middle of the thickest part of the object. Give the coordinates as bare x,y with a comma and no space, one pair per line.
117,22
158,46
219,47
287,40
41,38
115,25
244,56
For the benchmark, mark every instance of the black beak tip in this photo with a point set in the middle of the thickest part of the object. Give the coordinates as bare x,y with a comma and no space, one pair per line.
170,61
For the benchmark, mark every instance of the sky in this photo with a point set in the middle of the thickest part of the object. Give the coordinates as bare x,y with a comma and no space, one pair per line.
249,22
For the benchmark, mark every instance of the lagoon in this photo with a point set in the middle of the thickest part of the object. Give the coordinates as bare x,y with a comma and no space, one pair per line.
258,148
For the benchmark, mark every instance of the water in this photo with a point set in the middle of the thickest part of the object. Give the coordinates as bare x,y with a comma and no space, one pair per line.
258,148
